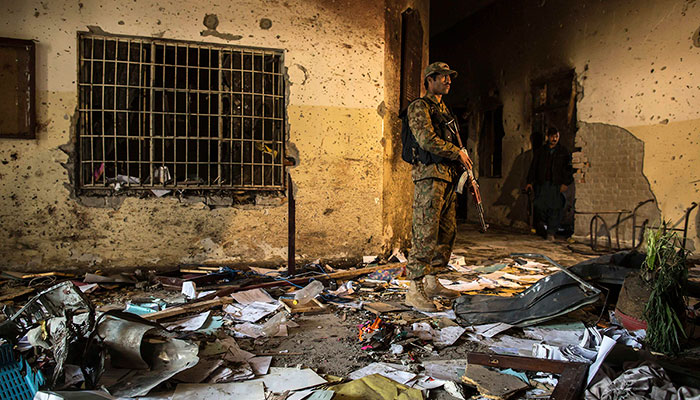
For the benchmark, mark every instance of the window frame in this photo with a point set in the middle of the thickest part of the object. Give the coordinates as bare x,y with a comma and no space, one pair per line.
30,111
277,166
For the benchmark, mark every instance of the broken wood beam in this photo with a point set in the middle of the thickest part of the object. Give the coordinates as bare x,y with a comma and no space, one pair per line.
335,275
187,308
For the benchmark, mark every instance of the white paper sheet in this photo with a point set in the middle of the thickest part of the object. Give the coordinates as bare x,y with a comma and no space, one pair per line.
252,296
252,312
556,335
280,380
605,347
189,290
449,314
221,391
300,395
383,369
368,259
189,324
490,330
524,278
440,337
427,383
461,286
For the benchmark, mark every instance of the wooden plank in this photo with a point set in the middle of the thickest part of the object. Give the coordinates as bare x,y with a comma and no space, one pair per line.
13,294
187,308
311,307
26,275
347,274
379,307
572,375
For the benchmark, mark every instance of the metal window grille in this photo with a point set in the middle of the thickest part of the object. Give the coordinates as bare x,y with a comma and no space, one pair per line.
163,114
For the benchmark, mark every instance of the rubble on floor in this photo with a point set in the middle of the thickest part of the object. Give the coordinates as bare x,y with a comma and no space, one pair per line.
525,327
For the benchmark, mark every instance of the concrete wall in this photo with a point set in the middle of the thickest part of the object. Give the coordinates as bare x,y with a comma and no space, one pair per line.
335,55
398,186
638,70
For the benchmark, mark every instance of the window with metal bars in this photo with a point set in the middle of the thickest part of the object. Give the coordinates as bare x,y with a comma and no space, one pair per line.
162,114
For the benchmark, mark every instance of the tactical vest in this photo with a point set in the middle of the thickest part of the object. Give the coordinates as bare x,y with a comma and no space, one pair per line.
439,121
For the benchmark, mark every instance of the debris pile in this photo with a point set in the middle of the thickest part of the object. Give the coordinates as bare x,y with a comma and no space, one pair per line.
525,327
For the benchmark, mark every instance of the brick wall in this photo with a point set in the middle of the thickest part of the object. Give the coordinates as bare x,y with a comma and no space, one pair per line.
610,178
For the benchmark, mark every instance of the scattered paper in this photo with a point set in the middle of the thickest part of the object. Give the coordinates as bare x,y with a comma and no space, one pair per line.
239,390
280,380
265,271
454,390
446,370
189,324
397,256
321,395
427,383
462,286
189,290
507,344
490,330
253,296
384,369
300,395
368,259
260,365
160,192
251,312
541,350
440,337
494,276
88,288
524,278
557,335
199,372
605,347
449,314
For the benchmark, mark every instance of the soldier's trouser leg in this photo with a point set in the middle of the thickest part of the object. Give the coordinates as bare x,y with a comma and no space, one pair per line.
433,226
448,228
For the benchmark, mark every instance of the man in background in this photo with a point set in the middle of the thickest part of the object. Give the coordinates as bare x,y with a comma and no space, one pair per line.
550,175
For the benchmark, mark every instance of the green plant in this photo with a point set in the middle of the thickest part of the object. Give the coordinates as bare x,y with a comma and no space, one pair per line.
665,270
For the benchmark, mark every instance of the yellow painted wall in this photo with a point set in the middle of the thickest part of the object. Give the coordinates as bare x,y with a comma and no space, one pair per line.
334,52
673,170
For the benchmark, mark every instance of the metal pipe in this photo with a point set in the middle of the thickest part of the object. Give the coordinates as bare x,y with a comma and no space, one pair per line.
291,228
687,216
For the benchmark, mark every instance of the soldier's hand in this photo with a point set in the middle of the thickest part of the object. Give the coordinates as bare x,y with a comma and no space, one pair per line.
528,188
464,158
563,188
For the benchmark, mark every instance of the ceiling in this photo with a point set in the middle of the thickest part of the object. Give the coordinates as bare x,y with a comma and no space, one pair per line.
445,14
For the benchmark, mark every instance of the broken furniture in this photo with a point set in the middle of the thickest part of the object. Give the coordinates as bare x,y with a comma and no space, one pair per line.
644,226
571,379
550,297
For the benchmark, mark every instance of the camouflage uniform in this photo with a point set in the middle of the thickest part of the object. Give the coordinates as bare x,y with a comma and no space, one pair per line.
434,213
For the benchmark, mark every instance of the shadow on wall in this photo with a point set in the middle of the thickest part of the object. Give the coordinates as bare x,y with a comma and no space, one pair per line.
512,196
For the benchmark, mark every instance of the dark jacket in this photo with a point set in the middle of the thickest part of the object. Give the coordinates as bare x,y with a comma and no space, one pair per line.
549,166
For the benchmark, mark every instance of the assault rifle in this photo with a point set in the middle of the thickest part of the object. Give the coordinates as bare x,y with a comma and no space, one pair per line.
467,178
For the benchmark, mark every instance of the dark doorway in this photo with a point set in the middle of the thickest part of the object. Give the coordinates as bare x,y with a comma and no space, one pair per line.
554,104
491,144
411,56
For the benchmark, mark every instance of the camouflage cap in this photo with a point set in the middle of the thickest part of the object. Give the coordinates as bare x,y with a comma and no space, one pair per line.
439,68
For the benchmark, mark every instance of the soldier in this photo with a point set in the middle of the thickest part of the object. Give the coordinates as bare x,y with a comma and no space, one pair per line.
434,175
